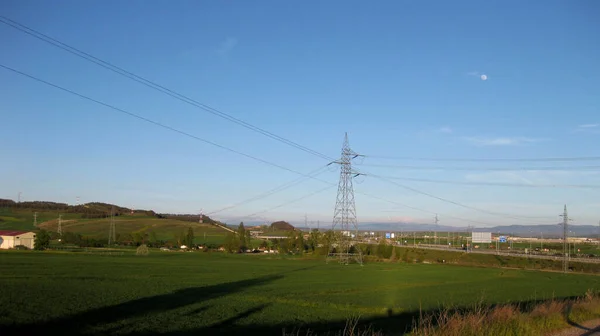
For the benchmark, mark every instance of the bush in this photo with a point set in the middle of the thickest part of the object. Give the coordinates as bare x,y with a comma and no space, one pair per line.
142,250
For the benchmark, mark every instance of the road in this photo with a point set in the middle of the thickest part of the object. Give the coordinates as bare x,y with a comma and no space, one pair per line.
521,255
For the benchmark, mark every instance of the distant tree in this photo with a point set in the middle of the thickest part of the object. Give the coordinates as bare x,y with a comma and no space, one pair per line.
232,243
137,238
152,239
189,239
393,257
42,240
241,231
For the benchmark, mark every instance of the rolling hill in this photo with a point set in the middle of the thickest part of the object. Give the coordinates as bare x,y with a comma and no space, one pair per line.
93,220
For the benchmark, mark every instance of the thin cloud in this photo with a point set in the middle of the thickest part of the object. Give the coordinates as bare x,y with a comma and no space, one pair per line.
446,130
588,128
227,46
501,141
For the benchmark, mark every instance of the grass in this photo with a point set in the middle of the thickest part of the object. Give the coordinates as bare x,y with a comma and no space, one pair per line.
529,319
488,260
203,293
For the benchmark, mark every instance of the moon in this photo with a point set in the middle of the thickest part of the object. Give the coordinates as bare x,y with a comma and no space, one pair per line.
483,77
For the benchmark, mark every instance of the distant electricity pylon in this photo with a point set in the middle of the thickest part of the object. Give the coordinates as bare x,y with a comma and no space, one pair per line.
436,228
35,219
344,216
59,230
200,220
112,236
565,225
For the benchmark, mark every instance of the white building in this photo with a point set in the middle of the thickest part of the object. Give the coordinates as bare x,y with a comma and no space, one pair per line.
12,238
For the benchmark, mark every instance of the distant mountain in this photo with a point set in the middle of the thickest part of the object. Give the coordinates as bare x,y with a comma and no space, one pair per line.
547,231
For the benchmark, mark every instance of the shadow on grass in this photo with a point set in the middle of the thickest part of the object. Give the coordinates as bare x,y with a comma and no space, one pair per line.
82,322
567,316
388,323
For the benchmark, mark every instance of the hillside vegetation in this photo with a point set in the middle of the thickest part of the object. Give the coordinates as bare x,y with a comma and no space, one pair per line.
92,220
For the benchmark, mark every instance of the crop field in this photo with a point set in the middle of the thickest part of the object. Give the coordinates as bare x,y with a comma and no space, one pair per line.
211,293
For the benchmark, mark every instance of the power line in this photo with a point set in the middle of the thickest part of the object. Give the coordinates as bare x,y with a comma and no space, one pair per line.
454,202
163,126
551,159
500,184
422,210
292,201
193,136
444,168
272,191
32,32
158,124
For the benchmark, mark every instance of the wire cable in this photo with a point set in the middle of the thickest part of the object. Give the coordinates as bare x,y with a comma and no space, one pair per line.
442,168
550,159
153,85
499,184
160,124
422,210
456,203
272,191
292,201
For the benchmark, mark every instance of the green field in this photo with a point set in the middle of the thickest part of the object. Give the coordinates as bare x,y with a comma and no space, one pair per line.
211,293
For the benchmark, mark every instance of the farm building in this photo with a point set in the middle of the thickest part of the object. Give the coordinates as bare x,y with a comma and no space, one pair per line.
12,238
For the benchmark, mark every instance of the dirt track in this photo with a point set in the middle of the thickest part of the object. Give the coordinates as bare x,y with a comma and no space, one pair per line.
589,328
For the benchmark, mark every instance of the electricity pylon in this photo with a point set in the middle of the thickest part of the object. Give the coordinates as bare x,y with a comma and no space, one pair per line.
344,216
565,225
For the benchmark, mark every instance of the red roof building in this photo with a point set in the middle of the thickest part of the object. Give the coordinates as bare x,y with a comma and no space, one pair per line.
11,232
11,238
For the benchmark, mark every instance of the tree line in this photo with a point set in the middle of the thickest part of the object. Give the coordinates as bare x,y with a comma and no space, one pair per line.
121,239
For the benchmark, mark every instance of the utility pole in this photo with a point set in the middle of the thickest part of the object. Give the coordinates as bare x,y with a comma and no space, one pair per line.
435,232
35,219
497,242
59,225
306,222
599,235
566,248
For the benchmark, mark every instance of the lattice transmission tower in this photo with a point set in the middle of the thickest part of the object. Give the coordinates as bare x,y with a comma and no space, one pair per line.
344,215
566,247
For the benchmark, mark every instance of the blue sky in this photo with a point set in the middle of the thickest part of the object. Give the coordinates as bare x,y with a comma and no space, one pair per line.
403,78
